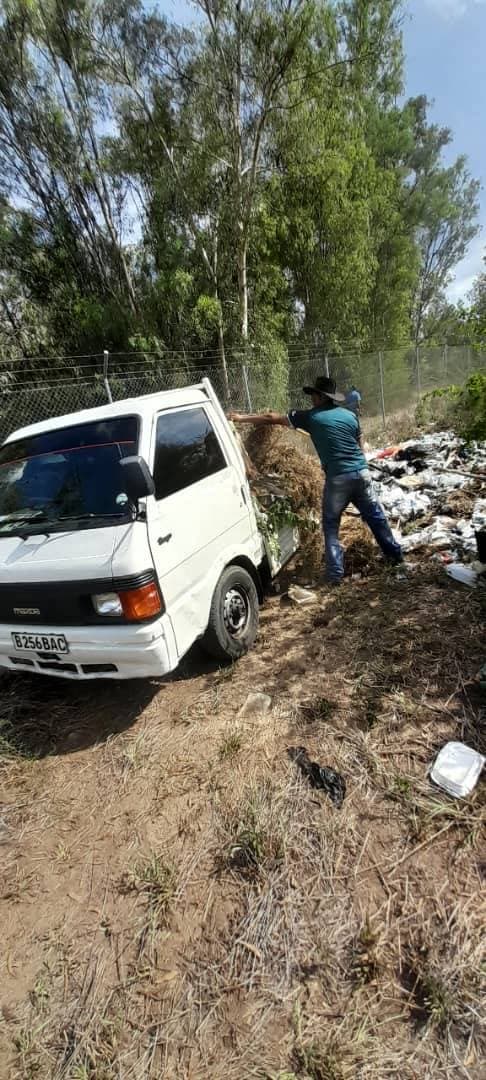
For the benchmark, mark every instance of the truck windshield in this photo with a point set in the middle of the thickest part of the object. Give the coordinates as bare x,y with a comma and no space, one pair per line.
67,475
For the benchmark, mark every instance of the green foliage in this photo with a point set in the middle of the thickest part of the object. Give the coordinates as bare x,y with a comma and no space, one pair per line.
473,400
149,202
463,409
205,316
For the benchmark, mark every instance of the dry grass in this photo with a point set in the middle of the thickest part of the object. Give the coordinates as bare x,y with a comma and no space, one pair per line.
178,902
268,448
399,426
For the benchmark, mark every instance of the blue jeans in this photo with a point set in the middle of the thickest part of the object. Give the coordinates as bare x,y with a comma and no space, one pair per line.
356,488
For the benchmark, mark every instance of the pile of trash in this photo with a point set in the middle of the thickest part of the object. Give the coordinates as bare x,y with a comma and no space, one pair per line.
440,482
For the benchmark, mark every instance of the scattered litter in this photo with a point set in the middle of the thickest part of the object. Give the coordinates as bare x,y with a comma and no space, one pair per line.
319,776
438,535
444,557
425,470
457,769
390,451
478,519
301,596
400,504
410,483
440,481
256,704
465,574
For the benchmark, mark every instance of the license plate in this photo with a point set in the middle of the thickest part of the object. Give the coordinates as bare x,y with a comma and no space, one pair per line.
46,643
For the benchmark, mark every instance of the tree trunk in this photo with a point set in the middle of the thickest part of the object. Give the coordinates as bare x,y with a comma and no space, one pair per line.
243,289
222,355
221,348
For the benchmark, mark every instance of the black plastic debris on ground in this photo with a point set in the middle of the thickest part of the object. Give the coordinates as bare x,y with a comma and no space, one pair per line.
319,776
481,545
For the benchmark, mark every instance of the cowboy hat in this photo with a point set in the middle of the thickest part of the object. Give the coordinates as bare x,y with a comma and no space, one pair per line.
325,386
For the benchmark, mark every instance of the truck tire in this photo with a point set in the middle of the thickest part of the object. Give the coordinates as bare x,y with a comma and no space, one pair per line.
233,618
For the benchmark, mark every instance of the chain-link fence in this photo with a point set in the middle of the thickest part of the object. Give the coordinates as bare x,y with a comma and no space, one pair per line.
390,381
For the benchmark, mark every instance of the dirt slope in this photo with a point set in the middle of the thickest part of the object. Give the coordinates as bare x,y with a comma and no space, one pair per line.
176,900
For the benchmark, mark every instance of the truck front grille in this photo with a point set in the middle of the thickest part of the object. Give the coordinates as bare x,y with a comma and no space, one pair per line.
62,603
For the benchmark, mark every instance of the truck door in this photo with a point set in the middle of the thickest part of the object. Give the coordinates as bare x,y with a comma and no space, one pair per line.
200,509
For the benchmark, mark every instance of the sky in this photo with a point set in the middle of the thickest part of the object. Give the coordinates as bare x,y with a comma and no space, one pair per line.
445,51
445,48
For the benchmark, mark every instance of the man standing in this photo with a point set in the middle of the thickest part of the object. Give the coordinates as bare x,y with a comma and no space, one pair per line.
336,436
353,400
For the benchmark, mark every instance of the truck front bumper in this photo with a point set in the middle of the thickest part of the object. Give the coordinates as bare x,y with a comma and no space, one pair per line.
96,652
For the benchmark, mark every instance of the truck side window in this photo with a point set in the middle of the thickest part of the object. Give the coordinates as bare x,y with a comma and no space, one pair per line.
187,450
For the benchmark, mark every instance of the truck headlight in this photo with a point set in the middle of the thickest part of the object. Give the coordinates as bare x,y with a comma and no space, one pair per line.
132,604
108,603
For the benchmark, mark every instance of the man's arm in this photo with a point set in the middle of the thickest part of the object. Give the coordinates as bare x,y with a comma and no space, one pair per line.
259,419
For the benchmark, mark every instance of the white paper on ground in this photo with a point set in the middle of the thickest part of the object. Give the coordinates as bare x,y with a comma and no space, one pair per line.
301,596
465,574
457,769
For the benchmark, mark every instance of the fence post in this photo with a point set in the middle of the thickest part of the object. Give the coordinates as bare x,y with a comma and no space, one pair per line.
106,358
326,365
244,372
446,358
417,362
382,386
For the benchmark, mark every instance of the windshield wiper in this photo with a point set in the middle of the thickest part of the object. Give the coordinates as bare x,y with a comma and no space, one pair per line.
83,517
26,517
17,517
10,523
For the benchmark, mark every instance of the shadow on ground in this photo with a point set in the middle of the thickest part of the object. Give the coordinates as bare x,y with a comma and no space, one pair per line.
373,638
40,716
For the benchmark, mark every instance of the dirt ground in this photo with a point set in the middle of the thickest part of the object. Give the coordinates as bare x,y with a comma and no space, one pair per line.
178,902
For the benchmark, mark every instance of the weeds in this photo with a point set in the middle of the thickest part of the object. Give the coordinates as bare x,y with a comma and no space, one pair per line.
366,962
318,1063
254,837
39,996
27,1046
230,745
133,754
431,1001
321,709
400,788
154,879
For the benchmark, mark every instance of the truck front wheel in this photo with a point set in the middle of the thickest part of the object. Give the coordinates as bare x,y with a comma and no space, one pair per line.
233,618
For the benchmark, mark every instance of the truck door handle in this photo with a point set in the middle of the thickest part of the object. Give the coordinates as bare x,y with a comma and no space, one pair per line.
164,539
243,492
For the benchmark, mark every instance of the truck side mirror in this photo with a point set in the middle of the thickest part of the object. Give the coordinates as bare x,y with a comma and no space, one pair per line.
137,478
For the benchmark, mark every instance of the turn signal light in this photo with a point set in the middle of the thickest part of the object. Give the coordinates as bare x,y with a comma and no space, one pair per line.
141,603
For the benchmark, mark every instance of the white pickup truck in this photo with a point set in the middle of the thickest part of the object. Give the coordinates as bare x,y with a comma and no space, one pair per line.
126,533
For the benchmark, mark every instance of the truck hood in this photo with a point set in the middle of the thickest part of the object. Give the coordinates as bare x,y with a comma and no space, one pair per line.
81,554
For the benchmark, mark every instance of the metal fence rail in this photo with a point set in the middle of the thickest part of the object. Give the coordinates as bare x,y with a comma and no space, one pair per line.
390,381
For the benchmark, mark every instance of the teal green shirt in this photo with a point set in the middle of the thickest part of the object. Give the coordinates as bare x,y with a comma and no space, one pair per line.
335,433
